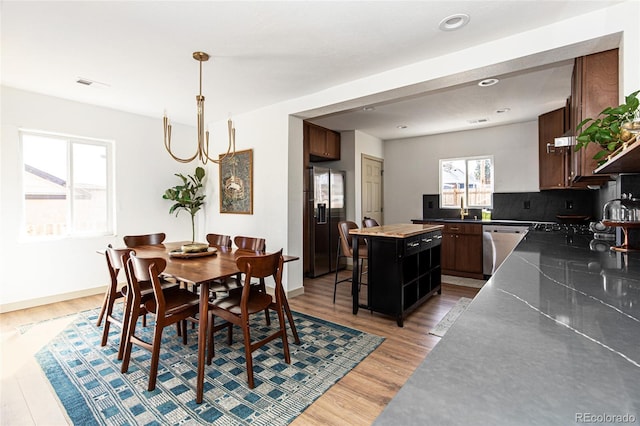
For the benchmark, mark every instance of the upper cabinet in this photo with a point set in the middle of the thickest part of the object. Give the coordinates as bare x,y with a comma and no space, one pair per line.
553,161
324,144
594,87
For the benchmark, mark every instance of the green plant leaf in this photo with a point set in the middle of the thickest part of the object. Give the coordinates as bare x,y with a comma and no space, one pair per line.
600,154
188,195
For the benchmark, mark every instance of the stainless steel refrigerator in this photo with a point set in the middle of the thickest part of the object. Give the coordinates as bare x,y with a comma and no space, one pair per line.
327,207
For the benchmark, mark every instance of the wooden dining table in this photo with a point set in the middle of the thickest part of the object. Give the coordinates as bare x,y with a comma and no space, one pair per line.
201,271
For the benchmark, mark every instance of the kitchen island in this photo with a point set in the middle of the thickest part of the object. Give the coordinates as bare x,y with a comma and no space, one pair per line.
553,338
403,267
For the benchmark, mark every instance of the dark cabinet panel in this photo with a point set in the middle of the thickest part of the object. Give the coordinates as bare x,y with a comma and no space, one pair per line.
403,272
553,161
324,144
462,250
594,87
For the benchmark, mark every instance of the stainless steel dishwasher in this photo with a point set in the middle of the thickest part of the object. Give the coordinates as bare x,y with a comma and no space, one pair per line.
498,241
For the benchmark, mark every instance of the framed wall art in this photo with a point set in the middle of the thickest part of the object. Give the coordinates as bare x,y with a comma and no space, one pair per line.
236,183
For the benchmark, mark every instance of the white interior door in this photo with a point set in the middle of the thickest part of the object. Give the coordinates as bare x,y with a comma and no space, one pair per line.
372,199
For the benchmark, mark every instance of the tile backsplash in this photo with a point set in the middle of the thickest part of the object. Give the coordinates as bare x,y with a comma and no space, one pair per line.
542,206
545,206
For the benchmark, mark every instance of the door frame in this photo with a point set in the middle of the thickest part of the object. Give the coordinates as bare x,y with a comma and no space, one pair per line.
362,180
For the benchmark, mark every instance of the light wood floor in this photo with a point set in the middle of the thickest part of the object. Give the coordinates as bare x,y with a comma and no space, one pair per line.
27,399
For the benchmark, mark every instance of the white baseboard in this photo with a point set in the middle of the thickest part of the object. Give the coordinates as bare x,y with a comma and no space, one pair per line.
31,303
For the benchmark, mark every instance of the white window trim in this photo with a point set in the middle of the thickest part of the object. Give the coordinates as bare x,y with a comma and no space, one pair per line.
111,202
466,180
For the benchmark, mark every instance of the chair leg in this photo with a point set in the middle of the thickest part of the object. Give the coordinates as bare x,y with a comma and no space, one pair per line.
155,355
103,309
127,315
211,334
107,314
283,331
263,288
247,353
131,330
184,331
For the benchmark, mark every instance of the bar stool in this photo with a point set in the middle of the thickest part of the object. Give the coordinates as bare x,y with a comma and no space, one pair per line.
345,247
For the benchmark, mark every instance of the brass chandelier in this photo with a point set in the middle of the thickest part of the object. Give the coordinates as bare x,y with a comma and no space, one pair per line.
202,152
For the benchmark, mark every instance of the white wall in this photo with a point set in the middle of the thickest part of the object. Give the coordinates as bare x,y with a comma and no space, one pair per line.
411,165
32,270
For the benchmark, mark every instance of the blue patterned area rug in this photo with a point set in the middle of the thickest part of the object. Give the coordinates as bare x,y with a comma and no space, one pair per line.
87,379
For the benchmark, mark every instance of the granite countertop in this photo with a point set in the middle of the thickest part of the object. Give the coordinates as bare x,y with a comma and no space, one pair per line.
402,230
553,338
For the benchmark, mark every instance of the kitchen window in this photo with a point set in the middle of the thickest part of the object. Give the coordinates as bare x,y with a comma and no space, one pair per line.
466,182
67,186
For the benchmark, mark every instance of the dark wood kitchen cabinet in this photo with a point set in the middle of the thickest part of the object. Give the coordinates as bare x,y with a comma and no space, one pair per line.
553,161
594,87
462,250
324,144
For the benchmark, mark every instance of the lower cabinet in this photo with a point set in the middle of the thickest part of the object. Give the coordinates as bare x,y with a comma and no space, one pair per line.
462,250
403,272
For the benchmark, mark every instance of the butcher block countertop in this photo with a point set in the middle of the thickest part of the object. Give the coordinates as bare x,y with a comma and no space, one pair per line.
401,230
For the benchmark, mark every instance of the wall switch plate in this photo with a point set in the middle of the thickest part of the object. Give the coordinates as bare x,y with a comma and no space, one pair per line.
527,204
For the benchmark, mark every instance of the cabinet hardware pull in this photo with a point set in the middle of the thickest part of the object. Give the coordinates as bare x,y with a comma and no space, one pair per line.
439,237
427,240
454,229
413,244
549,150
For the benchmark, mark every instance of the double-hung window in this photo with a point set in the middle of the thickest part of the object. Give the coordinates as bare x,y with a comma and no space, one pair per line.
466,182
67,185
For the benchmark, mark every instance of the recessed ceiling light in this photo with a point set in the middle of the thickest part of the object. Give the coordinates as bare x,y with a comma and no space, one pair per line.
454,22
368,108
401,126
503,110
488,82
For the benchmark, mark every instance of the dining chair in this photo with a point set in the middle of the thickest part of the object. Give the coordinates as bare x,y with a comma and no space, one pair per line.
219,241
256,245
237,308
170,306
250,243
144,240
116,262
369,222
222,242
133,241
345,249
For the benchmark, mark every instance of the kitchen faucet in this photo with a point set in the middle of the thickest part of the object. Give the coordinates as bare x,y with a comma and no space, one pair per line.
463,212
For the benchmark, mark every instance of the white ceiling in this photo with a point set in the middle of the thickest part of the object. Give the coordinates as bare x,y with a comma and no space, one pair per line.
267,52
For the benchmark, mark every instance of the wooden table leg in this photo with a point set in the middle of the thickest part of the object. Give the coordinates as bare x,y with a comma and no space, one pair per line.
202,339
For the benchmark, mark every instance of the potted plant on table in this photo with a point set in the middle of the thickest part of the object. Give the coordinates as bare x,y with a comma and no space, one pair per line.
187,196
613,129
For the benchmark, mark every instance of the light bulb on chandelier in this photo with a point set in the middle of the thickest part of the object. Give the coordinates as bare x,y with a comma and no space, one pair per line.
202,151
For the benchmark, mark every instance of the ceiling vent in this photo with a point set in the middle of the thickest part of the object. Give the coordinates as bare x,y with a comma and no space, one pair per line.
88,82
